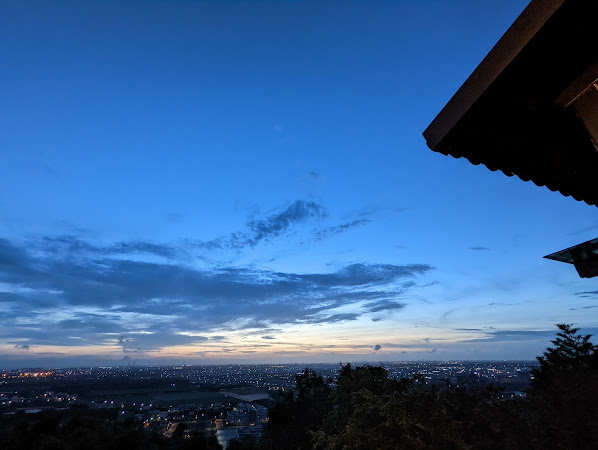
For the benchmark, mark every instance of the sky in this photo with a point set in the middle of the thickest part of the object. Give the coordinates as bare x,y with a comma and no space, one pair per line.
205,182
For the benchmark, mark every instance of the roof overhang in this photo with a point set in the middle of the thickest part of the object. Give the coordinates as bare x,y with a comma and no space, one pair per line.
531,107
583,256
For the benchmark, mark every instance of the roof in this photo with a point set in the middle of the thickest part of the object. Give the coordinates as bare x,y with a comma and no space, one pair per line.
583,256
531,107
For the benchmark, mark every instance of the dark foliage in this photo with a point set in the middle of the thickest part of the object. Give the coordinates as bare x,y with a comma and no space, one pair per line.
571,352
369,410
298,413
247,443
53,431
565,389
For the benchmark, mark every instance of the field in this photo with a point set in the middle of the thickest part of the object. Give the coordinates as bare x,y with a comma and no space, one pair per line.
159,397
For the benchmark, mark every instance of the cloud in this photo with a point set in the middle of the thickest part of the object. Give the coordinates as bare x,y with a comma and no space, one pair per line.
268,337
447,313
70,291
128,344
136,247
468,329
15,263
509,304
276,224
22,347
360,274
585,230
90,323
357,219
75,246
267,228
371,210
587,294
383,305
583,307
334,318
507,336
337,229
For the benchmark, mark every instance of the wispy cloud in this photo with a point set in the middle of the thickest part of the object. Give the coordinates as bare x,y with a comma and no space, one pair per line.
337,229
276,224
384,305
585,230
265,229
76,246
507,336
128,344
262,229
587,294
468,329
131,248
257,230
69,291
334,318
375,209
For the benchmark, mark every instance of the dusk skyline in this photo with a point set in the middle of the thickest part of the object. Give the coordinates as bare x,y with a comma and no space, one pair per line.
198,182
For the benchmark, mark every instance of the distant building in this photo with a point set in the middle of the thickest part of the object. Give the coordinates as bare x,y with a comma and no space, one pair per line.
246,414
247,394
261,413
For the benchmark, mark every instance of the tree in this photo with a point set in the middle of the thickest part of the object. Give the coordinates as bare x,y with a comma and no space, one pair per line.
367,409
297,414
565,389
573,354
570,351
248,442
311,386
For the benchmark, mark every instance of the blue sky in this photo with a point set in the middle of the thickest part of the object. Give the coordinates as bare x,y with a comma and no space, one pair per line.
216,181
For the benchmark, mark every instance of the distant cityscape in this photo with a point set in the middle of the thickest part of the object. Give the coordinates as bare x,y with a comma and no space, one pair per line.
282,376
229,401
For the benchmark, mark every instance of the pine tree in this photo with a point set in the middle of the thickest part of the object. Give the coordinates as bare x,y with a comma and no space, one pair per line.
565,390
571,351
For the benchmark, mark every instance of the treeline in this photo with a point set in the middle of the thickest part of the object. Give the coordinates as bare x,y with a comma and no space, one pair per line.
94,430
366,409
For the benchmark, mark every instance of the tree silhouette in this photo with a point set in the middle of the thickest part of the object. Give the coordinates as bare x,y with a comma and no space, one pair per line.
565,389
570,351
299,413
